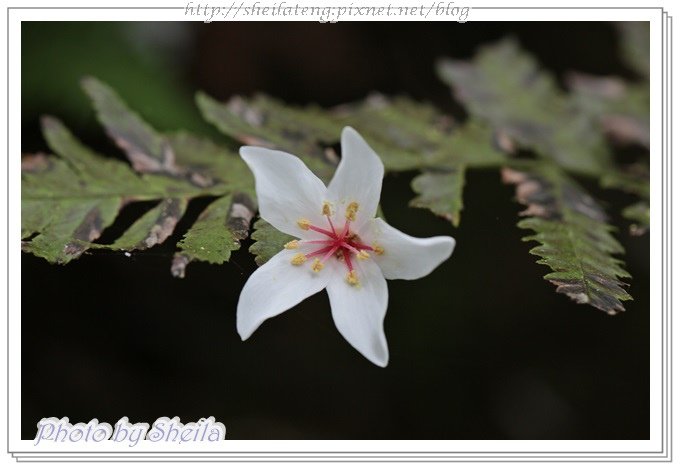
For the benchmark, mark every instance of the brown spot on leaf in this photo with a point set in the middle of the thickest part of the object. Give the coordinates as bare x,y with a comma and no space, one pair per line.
166,165
240,107
240,214
141,159
200,179
540,196
179,265
575,241
601,300
35,162
532,191
626,129
504,142
147,150
165,223
621,128
89,230
75,248
611,88
91,227
581,202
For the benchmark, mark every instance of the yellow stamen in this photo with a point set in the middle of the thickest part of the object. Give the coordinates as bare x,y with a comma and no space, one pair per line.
351,211
298,259
379,250
291,245
317,265
326,209
304,224
352,278
363,254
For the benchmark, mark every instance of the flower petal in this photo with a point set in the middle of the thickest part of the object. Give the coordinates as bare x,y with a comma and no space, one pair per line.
406,257
359,311
275,287
286,189
358,177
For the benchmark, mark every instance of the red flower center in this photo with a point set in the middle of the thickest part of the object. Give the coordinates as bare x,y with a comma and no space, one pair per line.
343,243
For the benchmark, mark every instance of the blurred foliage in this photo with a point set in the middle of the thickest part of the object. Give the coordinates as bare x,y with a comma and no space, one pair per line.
124,54
634,45
621,109
514,107
506,88
633,179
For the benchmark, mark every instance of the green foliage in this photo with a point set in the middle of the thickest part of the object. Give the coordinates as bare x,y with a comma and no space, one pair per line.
574,238
414,136
619,109
180,156
638,213
67,202
633,179
634,45
124,54
568,129
69,199
441,192
407,135
216,233
622,111
268,123
268,241
506,88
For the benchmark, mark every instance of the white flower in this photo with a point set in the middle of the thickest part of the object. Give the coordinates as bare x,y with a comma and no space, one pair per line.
341,246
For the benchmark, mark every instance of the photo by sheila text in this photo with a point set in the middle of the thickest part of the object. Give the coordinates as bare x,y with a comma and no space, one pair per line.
163,430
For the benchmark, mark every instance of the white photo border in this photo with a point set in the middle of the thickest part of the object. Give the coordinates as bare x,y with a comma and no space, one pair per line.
657,448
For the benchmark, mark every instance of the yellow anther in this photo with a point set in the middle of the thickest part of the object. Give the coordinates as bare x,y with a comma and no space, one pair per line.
363,254
351,211
379,250
317,265
291,245
298,259
352,278
326,209
304,224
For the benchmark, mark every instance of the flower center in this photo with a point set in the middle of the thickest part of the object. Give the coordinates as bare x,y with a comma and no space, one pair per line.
342,243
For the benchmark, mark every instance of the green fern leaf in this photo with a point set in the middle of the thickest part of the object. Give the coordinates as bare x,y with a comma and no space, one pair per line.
574,238
266,122
216,233
406,134
69,198
441,192
268,241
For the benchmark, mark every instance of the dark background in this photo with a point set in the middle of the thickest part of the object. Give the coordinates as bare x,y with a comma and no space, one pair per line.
483,348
